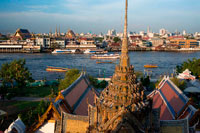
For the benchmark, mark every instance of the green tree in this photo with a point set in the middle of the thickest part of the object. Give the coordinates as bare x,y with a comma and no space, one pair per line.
15,72
96,84
70,77
31,116
179,83
116,39
193,65
145,81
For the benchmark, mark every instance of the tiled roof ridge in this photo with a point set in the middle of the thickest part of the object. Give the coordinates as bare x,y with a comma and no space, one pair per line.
184,113
178,90
68,89
162,81
179,93
171,110
154,92
75,106
193,111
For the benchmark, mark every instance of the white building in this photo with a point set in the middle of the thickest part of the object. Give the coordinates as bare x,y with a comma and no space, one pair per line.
142,33
186,75
60,42
151,35
112,32
120,35
43,42
16,127
184,32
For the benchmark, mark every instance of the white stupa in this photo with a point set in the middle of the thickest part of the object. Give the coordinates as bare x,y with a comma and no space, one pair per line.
186,75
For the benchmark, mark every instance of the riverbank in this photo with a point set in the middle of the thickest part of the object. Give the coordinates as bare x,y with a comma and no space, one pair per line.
38,62
32,51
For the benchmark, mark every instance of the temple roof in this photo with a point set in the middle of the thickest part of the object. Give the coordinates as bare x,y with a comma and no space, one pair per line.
18,125
172,102
72,100
24,33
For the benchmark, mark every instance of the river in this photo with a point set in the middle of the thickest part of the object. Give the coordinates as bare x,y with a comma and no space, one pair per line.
37,63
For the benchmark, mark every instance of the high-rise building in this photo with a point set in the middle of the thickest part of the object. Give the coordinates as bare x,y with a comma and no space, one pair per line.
111,32
184,32
148,30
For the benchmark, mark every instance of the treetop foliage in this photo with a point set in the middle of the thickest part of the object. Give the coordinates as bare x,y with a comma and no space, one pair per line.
116,39
70,77
15,72
181,84
193,65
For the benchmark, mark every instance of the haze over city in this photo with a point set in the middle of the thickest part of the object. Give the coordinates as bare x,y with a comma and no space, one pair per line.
98,16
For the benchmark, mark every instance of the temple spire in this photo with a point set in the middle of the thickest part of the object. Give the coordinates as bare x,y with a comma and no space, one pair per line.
124,59
59,31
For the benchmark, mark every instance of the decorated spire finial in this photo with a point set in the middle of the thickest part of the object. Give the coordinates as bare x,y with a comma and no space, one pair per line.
124,59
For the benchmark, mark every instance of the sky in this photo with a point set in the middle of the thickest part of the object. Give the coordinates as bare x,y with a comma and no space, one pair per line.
95,16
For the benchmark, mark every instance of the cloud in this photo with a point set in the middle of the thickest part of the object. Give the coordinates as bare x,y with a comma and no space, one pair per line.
99,16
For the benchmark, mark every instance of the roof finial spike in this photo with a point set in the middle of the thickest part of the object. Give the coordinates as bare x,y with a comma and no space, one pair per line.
59,30
124,59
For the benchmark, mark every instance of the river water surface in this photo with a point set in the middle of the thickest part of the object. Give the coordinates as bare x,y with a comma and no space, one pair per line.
37,63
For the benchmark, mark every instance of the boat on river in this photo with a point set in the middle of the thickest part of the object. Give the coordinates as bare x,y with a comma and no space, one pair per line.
97,51
56,69
63,51
151,66
105,56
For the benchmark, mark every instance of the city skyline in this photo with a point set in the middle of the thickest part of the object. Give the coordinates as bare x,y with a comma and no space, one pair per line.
98,16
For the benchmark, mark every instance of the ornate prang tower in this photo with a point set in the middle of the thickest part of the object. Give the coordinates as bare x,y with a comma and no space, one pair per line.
122,106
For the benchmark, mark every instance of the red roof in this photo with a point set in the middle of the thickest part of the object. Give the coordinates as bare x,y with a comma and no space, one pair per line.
171,101
76,92
176,37
76,96
115,44
171,96
159,103
82,109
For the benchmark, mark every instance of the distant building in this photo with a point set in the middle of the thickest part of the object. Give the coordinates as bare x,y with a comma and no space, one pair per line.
162,31
22,34
70,34
2,36
188,43
151,34
142,33
120,35
43,42
100,35
87,41
184,32
112,32
148,30
175,37
58,43
157,42
135,38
